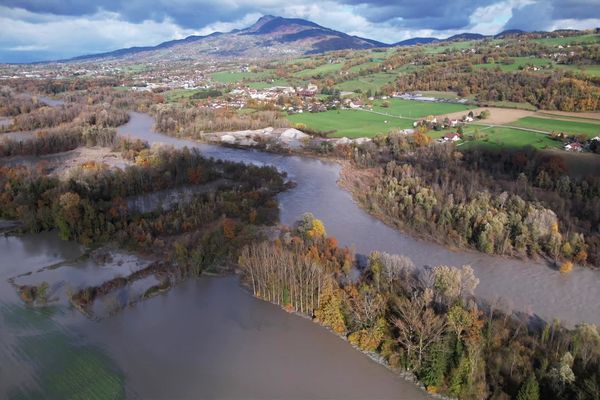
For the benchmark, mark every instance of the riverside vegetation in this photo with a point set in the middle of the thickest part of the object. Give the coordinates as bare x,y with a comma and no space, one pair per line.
91,207
519,202
425,321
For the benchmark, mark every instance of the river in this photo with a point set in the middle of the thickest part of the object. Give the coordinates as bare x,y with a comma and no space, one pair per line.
208,338
525,286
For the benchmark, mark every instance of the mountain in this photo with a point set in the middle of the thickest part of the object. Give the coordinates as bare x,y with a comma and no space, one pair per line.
508,33
417,40
269,37
465,36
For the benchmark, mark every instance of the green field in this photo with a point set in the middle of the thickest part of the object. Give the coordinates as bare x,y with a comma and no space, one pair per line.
556,125
373,82
508,137
177,94
320,70
591,70
417,109
359,67
518,62
440,48
135,68
350,123
590,38
509,104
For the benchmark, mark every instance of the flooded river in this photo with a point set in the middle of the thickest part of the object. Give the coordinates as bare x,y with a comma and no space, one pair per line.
209,338
525,286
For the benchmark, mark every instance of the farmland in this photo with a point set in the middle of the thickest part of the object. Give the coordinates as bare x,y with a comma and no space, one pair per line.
237,76
349,123
572,127
417,109
562,41
544,64
498,137
373,82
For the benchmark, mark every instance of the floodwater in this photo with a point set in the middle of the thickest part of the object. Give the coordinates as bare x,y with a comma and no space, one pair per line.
525,286
207,338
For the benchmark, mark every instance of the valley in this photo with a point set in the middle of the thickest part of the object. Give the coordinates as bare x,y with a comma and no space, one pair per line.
289,211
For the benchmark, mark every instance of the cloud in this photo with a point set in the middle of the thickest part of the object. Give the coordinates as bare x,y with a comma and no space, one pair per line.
556,14
51,29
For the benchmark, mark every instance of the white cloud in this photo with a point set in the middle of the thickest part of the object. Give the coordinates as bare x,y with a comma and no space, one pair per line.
71,36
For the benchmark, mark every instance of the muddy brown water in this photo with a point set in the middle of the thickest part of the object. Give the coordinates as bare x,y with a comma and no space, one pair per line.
526,286
208,338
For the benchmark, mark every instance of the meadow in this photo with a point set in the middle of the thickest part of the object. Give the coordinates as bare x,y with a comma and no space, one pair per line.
417,109
349,123
319,71
561,41
498,137
572,127
545,64
373,82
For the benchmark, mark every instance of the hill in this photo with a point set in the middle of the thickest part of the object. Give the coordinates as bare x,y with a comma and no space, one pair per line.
269,37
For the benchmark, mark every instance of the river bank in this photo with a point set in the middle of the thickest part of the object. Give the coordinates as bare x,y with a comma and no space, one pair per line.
526,286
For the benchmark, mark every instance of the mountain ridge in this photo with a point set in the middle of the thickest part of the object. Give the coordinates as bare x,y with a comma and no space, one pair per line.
269,36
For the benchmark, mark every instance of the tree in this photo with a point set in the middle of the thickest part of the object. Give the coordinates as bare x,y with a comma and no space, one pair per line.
229,226
418,326
310,228
329,312
566,267
530,390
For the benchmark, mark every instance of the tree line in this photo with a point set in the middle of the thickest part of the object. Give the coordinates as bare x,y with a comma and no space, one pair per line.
423,320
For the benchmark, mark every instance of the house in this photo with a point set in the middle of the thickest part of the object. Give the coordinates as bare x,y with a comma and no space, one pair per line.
451,137
308,91
573,147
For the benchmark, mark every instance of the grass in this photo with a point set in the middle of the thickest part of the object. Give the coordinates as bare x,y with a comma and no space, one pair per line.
320,70
518,62
373,82
177,94
556,125
590,70
350,123
440,48
561,41
508,137
366,65
135,68
509,104
418,109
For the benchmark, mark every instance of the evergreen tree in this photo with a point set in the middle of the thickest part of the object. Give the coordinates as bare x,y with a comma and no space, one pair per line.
530,389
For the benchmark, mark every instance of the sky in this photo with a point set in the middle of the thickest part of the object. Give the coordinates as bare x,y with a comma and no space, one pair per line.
35,30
